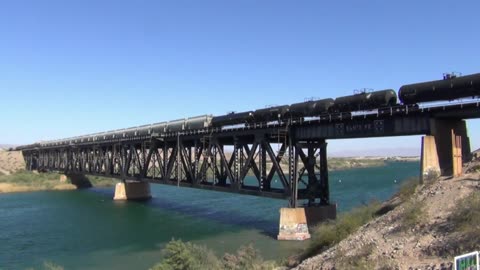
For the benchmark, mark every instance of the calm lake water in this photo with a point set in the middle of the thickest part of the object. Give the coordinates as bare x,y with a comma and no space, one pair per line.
87,230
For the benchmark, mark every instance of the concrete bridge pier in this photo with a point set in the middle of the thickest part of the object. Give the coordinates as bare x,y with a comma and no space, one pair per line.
445,149
295,222
132,190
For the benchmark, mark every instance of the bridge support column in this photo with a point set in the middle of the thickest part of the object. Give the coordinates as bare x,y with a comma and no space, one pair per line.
132,190
295,221
430,167
445,140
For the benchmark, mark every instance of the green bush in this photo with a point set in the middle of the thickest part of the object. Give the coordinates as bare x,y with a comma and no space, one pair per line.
247,257
178,255
187,256
329,233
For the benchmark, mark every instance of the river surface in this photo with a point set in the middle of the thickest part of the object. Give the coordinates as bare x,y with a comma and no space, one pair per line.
85,229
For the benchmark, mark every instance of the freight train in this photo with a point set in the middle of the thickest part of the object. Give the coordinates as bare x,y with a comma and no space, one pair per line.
451,87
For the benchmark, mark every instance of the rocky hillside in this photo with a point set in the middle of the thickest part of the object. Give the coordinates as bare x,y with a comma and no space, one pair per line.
439,221
11,162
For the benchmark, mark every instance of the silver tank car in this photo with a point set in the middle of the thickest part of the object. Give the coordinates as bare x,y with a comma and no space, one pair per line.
159,128
176,125
199,122
144,130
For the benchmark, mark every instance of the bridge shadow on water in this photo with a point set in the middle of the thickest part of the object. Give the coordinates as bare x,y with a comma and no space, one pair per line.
243,212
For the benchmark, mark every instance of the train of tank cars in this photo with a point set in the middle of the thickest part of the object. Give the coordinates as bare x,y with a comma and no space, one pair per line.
451,87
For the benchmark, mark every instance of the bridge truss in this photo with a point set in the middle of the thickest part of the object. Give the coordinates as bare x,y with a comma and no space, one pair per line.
262,161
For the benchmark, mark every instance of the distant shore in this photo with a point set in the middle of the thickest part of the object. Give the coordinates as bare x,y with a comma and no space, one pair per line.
336,164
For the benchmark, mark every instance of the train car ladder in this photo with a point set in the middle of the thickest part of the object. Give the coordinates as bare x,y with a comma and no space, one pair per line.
282,135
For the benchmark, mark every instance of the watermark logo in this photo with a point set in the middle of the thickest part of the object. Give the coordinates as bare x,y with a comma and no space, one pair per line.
467,261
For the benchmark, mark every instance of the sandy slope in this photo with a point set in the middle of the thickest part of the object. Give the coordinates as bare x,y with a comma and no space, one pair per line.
11,162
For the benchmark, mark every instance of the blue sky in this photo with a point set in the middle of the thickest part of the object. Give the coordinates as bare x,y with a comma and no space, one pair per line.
75,67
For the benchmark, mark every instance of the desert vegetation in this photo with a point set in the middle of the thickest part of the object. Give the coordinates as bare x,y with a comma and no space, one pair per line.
179,255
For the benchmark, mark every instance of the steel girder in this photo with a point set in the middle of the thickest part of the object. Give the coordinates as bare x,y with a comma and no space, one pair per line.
246,163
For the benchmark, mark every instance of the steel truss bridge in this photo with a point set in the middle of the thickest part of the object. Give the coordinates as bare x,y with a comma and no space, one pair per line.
280,160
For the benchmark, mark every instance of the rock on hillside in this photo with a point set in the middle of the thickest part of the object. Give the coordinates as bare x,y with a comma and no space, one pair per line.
418,234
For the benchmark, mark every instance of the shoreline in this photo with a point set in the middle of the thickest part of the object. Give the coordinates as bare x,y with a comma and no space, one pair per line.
25,181
6,188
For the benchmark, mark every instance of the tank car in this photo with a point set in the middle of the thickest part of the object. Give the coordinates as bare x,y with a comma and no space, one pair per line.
130,132
98,137
310,108
450,88
232,118
198,122
143,130
365,101
176,125
159,128
108,135
118,133
271,113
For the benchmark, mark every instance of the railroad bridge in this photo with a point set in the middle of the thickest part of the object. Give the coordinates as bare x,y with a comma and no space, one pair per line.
294,153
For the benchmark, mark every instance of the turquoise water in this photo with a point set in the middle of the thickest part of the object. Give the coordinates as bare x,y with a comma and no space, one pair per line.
87,230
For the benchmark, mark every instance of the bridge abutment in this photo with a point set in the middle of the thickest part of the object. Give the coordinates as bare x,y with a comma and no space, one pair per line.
449,135
132,190
430,168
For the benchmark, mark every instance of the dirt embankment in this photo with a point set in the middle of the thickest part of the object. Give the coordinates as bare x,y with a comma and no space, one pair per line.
11,162
12,187
424,232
